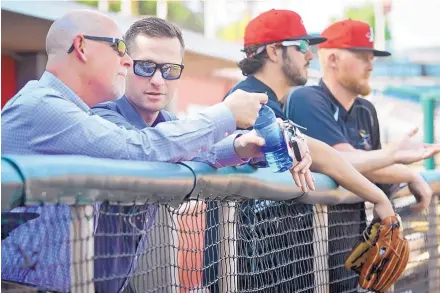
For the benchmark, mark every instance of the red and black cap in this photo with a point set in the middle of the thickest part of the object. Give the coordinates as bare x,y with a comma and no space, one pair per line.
276,26
352,35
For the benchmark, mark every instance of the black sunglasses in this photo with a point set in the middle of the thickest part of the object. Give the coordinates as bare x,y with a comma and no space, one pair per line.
117,44
146,68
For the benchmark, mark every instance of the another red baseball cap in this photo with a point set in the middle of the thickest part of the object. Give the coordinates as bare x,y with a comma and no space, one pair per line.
352,35
275,26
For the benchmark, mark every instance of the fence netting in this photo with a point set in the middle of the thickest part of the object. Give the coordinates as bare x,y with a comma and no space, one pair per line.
205,245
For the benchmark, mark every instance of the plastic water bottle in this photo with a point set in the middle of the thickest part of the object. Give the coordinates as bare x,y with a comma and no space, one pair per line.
275,150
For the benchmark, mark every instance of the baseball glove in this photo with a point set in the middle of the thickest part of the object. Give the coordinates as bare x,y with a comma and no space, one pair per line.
381,257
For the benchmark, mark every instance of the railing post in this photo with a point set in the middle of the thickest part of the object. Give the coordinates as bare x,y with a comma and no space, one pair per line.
228,247
82,249
428,102
433,245
320,248
158,268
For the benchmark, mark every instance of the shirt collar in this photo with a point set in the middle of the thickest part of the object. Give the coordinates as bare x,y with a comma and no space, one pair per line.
160,118
343,114
52,81
129,112
260,87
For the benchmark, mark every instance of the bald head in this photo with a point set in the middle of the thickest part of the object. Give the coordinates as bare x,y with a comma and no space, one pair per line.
63,30
91,66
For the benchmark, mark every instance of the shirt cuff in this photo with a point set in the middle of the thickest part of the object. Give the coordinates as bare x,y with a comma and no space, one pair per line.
261,159
223,119
225,153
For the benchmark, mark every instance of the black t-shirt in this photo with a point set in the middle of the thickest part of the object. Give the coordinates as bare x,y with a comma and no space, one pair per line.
315,108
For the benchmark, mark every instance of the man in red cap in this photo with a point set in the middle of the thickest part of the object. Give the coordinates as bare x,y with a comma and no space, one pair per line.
334,112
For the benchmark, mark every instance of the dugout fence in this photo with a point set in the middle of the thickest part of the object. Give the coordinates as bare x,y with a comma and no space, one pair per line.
188,227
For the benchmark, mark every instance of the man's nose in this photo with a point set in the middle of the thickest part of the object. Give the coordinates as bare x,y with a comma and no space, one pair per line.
157,78
309,55
126,61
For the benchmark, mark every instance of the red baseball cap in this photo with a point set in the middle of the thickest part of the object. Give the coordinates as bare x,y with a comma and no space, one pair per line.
275,26
352,35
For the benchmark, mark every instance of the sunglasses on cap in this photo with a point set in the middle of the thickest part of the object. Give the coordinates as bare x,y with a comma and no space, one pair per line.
146,68
117,44
301,45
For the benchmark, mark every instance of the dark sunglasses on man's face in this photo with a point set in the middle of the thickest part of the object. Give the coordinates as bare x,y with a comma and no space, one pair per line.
117,44
146,68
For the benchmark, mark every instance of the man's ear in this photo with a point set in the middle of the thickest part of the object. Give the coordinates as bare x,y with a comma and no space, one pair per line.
272,53
332,59
79,48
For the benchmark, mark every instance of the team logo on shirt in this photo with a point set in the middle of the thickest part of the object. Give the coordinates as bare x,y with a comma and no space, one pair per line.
365,140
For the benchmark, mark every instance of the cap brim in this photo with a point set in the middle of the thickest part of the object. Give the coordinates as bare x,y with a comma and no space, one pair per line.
376,53
313,40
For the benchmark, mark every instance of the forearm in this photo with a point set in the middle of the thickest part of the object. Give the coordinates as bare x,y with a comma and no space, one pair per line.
172,141
342,196
222,154
328,161
369,161
396,173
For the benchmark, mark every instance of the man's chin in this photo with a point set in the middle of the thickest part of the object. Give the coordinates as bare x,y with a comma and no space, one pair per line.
118,92
364,91
299,81
153,108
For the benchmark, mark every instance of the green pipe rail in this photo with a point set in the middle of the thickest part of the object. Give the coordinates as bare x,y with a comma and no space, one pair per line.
32,180
80,182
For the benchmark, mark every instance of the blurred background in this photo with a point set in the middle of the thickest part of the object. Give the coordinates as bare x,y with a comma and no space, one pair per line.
213,32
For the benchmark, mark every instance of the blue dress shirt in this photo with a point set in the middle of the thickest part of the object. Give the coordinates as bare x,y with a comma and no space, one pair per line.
47,117
122,113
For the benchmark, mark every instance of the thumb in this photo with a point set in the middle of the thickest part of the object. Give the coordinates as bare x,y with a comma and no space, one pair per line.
258,141
261,97
428,153
254,139
413,132
432,146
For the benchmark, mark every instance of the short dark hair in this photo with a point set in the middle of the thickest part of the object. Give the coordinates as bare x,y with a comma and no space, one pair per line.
154,27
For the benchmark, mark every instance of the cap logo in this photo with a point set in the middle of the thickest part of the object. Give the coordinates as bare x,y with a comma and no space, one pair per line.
370,35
